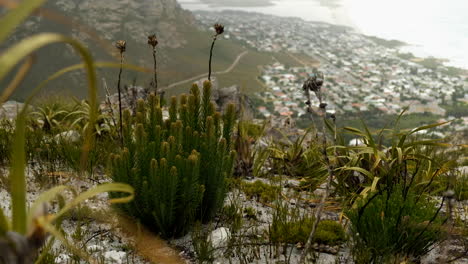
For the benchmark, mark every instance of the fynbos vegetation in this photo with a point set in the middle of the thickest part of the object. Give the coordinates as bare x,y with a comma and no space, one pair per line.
215,184
178,166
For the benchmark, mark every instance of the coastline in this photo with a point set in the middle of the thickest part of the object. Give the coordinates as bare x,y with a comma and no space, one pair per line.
342,13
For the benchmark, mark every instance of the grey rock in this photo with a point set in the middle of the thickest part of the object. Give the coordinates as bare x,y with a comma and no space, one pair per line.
10,109
219,237
68,136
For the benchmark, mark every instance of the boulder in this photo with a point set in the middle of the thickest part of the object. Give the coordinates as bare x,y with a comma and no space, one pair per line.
219,237
71,136
10,109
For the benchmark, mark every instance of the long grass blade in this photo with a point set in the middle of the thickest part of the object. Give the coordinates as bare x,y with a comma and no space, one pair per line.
361,170
17,176
8,60
44,198
107,187
19,77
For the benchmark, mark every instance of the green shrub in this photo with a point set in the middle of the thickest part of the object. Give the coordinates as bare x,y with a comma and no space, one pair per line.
177,166
297,231
261,191
405,158
299,159
393,225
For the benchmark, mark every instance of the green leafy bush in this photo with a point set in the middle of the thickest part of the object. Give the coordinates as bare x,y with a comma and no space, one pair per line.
406,158
394,225
177,166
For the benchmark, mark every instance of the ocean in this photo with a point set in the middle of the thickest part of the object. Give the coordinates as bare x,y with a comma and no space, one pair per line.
437,28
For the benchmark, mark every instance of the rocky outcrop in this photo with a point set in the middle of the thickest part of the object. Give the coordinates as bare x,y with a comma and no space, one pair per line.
130,19
98,24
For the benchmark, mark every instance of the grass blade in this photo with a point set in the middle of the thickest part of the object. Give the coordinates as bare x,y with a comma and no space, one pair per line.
17,176
107,187
4,224
19,77
8,60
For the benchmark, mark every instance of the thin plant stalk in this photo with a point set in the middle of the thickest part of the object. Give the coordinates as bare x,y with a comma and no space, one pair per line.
153,42
120,99
219,30
211,56
155,72
109,103
318,214
315,85
121,46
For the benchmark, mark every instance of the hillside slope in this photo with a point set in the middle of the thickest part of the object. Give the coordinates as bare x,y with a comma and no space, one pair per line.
182,52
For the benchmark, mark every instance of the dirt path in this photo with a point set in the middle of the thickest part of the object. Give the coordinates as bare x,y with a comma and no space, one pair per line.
229,69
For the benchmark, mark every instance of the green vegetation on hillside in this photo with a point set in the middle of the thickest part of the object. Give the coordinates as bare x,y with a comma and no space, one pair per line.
396,193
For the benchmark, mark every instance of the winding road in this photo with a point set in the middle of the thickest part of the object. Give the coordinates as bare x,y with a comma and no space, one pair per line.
229,69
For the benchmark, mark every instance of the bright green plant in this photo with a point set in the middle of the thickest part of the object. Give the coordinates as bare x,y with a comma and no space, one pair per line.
30,227
247,135
408,160
79,117
50,116
394,225
300,160
179,166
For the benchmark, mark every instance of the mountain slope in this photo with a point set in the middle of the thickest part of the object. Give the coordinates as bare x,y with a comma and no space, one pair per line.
182,52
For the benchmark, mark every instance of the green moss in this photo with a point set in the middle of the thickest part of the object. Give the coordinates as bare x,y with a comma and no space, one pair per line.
292,232
261,191
329,232
250,213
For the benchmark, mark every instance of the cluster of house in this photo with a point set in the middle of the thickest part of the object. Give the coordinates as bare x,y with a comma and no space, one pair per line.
360,74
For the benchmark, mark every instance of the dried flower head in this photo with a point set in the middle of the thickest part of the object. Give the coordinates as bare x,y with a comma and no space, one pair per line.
219,29
323,105
314,83
121,45
152,40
